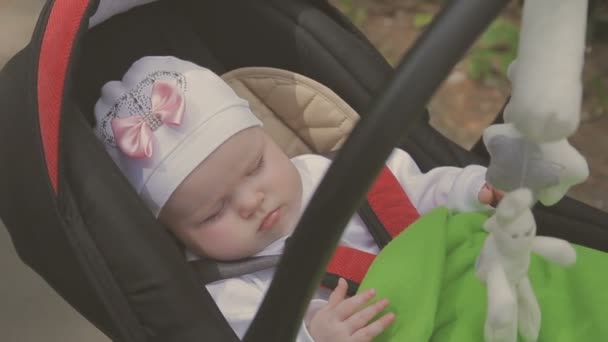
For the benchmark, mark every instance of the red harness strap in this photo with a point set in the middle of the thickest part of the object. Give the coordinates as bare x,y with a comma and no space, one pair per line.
395,211
391,204
350,263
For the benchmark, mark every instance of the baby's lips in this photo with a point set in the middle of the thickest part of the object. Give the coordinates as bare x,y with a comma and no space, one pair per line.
271,219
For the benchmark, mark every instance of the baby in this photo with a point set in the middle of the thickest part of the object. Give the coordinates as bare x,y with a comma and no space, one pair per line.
201,162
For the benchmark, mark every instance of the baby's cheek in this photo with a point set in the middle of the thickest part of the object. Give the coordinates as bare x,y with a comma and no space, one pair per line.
226,243
217,237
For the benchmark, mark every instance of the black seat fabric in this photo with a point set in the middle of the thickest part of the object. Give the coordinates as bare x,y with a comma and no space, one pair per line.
228,34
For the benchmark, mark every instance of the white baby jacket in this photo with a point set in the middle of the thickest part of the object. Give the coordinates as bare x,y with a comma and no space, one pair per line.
458,188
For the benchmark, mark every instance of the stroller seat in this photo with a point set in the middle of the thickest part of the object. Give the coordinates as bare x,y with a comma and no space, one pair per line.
299,113
72,215
85,231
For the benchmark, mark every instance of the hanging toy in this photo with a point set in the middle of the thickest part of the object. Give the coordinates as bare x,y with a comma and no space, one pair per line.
530,149
531,159
548,169
503,267
546,78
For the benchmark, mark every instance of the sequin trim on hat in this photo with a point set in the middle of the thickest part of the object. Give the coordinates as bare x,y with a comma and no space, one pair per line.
137,102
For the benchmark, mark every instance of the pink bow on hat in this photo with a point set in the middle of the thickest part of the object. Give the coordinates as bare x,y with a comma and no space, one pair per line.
133,134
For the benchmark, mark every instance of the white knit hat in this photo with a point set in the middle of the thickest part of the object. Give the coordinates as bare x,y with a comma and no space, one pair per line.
163,119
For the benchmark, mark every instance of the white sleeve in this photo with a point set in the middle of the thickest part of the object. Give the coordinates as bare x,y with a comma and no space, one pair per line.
239,299
454,187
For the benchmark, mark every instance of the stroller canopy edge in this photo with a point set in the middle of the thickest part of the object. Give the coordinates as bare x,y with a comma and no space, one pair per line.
57,43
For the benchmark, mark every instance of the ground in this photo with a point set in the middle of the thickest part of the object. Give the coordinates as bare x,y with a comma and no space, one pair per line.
465,104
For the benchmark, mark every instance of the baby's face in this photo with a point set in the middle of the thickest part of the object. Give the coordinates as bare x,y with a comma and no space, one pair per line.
244,196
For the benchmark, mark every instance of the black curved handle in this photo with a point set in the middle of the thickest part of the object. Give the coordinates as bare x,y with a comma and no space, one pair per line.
341,191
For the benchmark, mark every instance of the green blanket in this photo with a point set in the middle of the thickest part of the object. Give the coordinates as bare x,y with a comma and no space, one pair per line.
427,273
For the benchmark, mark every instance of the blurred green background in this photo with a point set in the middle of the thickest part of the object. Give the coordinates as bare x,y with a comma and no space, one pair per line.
477,88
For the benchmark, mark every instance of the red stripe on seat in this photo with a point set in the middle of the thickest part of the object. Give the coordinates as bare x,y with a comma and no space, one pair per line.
391,204
350,263
62,25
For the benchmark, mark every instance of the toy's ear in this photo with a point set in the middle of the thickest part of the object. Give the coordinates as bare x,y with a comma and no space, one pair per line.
571,169
490,224
513,204
511,71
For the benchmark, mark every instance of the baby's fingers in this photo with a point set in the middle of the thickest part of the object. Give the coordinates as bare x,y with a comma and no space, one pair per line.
367,333
361,318
353,304
338,294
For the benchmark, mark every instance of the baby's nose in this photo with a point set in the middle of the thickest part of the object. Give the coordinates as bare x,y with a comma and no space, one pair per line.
250,203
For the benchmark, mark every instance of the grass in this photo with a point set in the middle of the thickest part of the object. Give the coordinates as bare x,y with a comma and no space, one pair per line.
495,50
599,89
422,19
355,13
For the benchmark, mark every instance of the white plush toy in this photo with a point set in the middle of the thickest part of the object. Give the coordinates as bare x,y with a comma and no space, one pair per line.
531,159
547,89
548,169
503,266
531,149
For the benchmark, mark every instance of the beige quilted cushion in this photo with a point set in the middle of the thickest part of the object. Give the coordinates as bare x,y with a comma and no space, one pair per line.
300,114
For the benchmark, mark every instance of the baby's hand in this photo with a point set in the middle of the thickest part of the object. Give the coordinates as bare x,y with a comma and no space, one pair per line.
490,195
346,319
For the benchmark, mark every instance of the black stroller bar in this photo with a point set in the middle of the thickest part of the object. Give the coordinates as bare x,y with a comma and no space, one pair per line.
343,188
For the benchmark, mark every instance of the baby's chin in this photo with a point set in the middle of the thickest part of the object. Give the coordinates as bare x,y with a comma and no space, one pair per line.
272,245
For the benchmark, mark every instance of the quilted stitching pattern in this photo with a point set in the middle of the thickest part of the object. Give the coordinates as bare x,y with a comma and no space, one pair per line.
301,114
